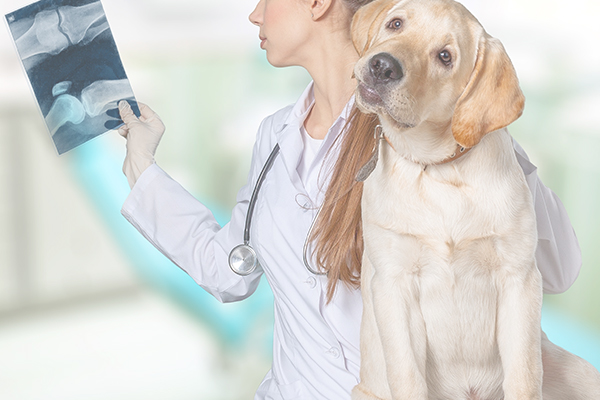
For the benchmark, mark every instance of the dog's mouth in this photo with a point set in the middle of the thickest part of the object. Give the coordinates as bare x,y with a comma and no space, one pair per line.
369,95
370,98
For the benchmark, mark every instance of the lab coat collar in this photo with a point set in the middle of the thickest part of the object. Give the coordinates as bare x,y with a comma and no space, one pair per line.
290,140
304,103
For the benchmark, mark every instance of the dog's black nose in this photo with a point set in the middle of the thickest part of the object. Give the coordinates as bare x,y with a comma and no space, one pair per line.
385,68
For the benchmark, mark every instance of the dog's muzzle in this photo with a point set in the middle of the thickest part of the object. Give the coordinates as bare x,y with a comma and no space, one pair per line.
379,75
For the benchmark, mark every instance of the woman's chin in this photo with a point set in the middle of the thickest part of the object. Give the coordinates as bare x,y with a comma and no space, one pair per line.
276,62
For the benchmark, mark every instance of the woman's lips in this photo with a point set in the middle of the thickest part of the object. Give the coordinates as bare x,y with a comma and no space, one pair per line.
262,42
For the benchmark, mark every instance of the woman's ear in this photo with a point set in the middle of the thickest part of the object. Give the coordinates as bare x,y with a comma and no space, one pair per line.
318,8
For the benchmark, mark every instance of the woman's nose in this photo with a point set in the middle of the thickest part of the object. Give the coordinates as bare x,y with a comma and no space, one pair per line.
256,16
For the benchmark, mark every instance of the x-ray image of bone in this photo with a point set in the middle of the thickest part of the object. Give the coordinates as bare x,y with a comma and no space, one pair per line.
52,31
73,65
95,99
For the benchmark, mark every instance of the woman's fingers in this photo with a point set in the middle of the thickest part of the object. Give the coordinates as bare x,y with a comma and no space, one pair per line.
123,131
147,115
146,111
143,136
148,126
126,112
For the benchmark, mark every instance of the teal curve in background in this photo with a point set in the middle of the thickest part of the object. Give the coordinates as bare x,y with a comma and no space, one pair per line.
571,335
98,171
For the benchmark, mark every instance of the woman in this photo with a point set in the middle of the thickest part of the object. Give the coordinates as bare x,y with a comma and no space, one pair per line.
316,331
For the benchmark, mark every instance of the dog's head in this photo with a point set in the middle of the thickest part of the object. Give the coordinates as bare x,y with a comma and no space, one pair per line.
431,61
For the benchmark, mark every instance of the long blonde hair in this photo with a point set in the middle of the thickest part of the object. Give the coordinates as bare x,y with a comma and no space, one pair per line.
354,5
337,235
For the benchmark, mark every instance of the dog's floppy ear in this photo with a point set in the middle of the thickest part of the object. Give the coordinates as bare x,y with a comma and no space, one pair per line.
366,23
492,98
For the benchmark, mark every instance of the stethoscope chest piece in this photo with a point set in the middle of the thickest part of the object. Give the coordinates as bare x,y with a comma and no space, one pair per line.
243,260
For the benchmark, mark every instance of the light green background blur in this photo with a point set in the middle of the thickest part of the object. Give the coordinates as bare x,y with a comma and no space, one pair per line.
78,317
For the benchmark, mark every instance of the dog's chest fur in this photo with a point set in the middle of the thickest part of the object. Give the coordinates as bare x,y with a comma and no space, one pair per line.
456,233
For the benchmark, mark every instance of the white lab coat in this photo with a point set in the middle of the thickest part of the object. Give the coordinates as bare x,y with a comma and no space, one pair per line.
315,346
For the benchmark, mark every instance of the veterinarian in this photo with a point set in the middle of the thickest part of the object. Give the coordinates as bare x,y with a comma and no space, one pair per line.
316,341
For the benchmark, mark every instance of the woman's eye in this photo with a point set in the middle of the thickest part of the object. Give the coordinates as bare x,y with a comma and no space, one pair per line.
445,57
395,24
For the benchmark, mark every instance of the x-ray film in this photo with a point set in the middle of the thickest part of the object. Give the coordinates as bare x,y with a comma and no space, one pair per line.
73,65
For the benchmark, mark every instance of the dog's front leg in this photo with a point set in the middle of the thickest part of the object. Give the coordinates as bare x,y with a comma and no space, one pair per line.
395,295
519,336
373,383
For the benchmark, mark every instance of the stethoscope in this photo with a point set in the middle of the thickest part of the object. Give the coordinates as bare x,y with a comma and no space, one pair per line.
243,259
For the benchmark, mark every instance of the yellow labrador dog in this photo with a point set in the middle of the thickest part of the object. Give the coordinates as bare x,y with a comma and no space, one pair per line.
452,295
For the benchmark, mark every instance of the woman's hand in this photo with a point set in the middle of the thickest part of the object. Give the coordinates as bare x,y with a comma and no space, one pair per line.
143,135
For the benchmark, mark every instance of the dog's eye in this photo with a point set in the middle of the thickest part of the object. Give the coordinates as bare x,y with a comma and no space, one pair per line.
395,24
445,57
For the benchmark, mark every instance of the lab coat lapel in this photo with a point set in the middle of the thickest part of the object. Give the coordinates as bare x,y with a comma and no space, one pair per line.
291,147
289,139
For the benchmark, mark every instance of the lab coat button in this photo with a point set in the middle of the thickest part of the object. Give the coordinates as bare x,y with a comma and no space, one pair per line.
312,282
334,352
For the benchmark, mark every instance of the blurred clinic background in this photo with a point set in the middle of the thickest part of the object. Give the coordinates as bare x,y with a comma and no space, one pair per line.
89,310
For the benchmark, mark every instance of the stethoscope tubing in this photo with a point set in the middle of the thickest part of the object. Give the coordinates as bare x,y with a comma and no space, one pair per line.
243,259
259,182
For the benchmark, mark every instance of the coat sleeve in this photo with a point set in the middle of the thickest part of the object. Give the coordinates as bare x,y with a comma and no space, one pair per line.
186,232
558,254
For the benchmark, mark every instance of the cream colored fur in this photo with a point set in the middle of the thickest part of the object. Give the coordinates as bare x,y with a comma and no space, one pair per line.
452,295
